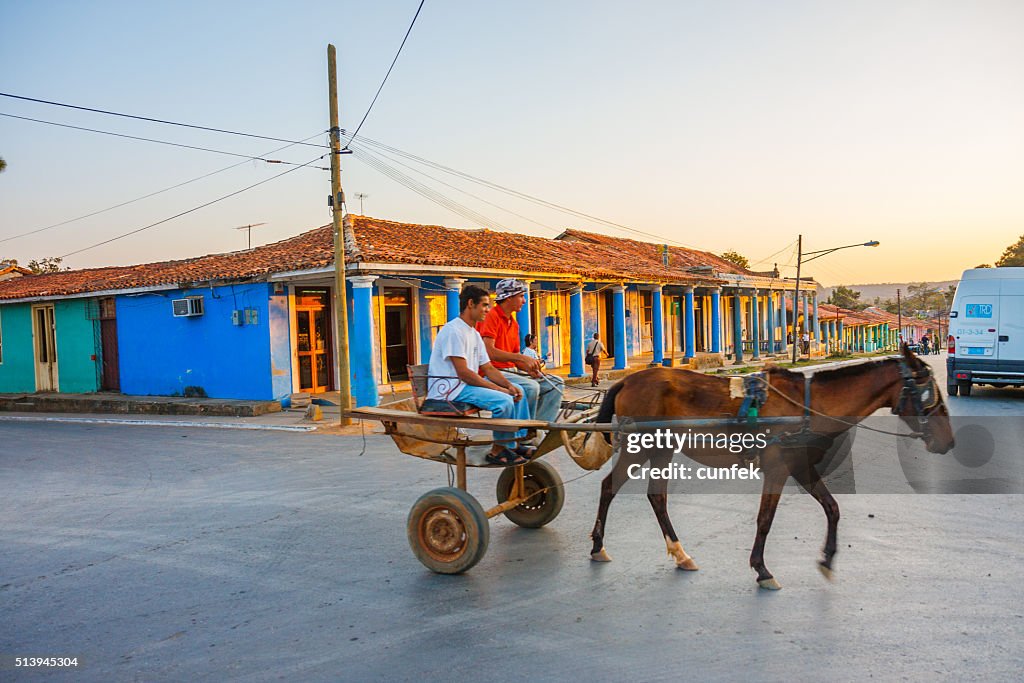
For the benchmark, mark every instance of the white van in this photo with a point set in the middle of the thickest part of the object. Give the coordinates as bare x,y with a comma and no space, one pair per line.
986,330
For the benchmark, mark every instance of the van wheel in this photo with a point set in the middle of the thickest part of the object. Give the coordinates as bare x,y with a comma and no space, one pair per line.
952,389
965,388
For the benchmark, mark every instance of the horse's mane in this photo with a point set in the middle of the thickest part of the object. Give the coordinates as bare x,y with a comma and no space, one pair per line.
830,374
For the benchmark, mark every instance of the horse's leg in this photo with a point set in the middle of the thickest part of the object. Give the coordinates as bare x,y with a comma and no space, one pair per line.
609,487
657,494
812,483
774,479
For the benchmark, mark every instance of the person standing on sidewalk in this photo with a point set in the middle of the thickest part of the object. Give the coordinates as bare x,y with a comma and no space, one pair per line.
500,331
593,358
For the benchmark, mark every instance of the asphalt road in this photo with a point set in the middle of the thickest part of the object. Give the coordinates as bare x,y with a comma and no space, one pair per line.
172,554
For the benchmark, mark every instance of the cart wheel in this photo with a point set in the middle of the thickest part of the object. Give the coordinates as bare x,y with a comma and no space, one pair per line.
448,530
541,508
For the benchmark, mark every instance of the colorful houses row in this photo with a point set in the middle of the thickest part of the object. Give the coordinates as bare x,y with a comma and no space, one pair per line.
259,323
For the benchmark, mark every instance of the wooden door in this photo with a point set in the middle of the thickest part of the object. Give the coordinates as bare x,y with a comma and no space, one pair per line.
313,340
111,375
44,334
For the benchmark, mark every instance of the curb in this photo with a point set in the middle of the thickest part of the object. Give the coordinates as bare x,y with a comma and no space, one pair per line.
155,423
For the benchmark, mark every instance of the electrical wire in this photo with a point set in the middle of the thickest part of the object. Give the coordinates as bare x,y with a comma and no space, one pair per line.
154,120
193,209
146,196
393,62
516,193
425,191
465,192
767,258
159,142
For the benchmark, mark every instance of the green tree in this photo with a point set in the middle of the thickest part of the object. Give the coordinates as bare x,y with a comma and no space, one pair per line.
1013,256
736,258
50,264
844,297
3,165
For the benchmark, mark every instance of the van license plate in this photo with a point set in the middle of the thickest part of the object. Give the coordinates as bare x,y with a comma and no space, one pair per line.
976,351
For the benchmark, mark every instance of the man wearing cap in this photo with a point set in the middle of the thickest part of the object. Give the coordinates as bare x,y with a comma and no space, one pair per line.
500,332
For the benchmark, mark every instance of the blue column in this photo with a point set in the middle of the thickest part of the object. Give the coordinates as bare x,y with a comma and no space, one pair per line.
689,323
840,336
770,312
716,319
755,323
453,287
737,324
619,321
576,332
657,327
783,324
364,382
805,323
817,327
523,317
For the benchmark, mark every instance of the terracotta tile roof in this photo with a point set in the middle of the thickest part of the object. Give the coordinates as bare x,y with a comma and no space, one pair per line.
381,241
680,258
312,249
373,240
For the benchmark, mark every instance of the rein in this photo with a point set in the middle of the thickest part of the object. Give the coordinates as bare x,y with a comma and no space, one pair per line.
910,391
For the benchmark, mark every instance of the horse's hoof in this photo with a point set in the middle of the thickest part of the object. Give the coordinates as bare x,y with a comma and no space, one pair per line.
601,556
826,571
688,564
770,584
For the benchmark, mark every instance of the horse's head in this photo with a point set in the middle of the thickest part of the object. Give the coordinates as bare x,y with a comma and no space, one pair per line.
919,403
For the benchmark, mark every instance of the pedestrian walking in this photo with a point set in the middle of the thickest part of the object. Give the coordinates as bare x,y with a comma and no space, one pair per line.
593,358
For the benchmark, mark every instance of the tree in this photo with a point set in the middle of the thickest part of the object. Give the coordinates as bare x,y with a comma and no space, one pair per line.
844,297
737,259
1013,256
3,165
50,264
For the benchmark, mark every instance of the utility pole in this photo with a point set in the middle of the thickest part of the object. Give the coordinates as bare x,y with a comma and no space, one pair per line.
337,200
796,295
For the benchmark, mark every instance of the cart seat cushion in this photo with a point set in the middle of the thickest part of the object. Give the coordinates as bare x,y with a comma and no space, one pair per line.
437,406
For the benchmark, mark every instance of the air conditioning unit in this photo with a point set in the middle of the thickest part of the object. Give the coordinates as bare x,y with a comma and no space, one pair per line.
187,308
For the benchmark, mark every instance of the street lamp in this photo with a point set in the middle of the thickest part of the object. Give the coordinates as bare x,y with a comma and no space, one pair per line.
796,291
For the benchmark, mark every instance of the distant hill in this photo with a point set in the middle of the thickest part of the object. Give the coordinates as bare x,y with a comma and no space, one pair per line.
885,290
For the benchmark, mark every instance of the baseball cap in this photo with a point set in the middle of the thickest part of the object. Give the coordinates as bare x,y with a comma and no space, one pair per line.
508,288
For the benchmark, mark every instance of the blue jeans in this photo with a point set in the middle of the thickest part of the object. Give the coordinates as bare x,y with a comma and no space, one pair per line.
544,396
499,405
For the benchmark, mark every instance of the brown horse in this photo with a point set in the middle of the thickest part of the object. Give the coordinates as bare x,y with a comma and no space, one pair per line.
903,383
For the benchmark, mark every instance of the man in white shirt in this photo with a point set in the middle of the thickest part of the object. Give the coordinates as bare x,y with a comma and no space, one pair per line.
457,361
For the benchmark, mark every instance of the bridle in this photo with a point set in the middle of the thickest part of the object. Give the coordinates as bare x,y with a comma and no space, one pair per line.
920,393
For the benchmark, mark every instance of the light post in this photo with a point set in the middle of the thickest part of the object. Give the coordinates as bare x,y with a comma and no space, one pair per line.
800,260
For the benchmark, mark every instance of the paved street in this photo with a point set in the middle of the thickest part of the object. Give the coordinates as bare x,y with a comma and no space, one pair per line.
172,554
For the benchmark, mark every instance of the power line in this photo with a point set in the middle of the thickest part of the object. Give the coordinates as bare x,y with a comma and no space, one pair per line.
196,208
146,196
159,142
517,193
393,62
458,189
154,120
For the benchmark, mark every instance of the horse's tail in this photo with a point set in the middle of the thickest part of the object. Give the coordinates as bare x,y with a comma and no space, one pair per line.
607,410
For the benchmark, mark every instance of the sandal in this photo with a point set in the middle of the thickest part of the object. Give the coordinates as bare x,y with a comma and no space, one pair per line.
507,458
525,451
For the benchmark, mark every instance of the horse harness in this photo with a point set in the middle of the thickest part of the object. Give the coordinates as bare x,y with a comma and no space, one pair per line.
919,393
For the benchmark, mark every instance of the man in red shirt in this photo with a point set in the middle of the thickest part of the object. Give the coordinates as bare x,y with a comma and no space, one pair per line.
500,332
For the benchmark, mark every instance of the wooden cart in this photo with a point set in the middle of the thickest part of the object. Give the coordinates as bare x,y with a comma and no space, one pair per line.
448,527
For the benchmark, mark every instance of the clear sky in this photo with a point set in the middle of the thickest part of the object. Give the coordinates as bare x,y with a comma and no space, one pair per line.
717,125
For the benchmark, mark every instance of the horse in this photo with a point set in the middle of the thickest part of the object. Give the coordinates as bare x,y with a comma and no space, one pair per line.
902,382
